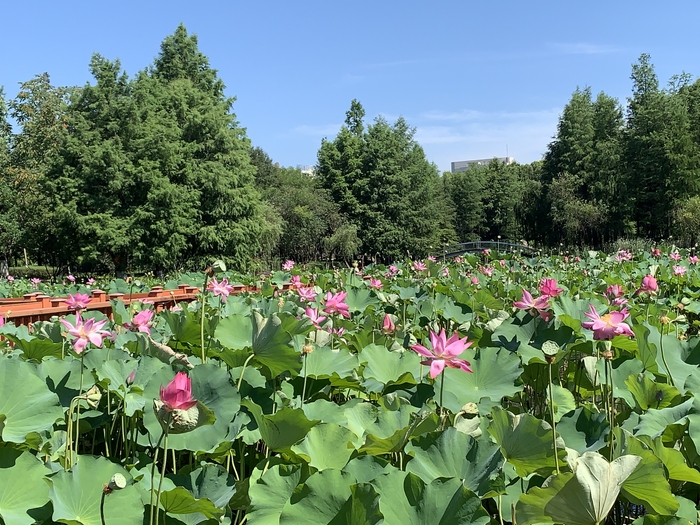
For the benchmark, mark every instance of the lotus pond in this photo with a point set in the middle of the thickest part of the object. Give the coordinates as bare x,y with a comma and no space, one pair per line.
488,389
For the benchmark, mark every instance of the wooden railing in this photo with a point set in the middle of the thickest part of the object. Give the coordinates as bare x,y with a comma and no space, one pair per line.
39,307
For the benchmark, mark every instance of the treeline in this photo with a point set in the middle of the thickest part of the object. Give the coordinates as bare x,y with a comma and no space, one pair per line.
154,172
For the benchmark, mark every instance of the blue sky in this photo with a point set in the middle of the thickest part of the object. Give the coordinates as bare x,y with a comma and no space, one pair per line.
473,78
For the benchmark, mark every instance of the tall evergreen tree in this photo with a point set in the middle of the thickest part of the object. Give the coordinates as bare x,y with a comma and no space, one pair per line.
662,158
385,186
155,171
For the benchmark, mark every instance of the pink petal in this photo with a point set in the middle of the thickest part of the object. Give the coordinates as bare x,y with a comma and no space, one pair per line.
436,367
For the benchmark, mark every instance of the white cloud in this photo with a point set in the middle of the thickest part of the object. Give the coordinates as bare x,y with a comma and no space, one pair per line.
467,134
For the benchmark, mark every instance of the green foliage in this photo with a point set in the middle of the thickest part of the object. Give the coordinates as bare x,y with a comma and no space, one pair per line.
383,184
154,171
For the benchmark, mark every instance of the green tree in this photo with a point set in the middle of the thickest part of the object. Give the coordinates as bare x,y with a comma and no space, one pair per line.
156,171
466,193
582,172
662,158
383,183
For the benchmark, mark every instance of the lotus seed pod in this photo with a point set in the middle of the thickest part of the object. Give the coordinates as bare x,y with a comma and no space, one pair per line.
117,482
179,421
470,409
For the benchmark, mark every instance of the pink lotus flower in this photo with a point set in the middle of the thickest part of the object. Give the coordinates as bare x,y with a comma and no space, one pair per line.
679,270
71,278
393,270
2,321
306,294
475,280
78,301
130,378
431,258
177,395
388,326
288,265
693,259
335,304
535,307
548,287
649,285
90,281
312,313
375,283
623,255
35,281
577,259
296,283
141,322
656,252
444,353
445,272
487,251
675,256
10,279
608,325
488,271
84,332
419,266
614,293
222,288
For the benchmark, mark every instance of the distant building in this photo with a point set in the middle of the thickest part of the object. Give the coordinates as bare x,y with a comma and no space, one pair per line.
464,165
306,168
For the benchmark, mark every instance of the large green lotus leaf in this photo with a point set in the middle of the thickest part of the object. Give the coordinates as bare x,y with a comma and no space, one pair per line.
582,497
525,441
563,401
325,363
235,332
673,349
646,351
271,339
184,325
23,492
584,430
76,494
282,429
620,374
452,454
654,422
181,501
270,492
361,508
209,486
63,377
329,412
113,375
647,484
390,367
26,403
365,419
673,460
358,299
320,499
406,499
211,386
365,468
327,445
35,349
95,357
493,377
650,394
